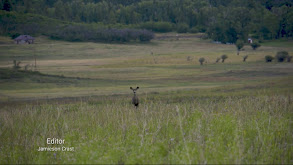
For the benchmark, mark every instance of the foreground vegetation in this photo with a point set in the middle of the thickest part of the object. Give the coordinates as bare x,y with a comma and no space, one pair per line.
175,127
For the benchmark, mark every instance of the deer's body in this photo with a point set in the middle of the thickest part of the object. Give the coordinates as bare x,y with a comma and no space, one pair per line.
135,100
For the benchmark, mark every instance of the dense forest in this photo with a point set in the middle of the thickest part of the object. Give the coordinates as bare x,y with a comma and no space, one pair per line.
222,20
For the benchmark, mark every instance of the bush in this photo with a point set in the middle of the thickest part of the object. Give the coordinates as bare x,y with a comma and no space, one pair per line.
145,35
269,58
162,27
14,24
14,35
244,58
182,28
83,33
201,60
224,57
239,44
194,30
201,29
282,56
255,45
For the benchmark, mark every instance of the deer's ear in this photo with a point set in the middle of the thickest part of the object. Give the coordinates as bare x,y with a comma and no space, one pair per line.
130,87
137,87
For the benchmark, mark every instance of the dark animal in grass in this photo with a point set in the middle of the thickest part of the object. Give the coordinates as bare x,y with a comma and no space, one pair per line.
135,100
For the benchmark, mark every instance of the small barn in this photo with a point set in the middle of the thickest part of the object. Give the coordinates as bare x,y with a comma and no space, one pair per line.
24,39
250,40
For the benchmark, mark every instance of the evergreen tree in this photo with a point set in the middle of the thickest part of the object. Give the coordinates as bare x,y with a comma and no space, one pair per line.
7,5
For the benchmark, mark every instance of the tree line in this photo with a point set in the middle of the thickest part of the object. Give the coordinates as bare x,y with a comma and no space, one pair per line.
222,20
14,24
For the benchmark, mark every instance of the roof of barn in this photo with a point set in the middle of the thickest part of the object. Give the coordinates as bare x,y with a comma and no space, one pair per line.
24,37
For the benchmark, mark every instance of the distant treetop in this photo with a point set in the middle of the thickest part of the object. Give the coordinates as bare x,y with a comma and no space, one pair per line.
222,20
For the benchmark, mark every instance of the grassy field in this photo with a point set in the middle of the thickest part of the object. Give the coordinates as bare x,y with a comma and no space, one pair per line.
230,113
106,69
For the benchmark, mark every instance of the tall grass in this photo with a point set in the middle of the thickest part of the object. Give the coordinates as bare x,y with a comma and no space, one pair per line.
230,129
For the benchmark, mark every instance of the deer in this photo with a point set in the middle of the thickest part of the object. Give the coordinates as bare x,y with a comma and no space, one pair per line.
135,100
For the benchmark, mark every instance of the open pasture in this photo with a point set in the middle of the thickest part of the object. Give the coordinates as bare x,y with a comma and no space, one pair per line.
230,113
90,69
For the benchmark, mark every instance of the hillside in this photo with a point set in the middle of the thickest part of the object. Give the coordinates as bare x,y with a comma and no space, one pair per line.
222,20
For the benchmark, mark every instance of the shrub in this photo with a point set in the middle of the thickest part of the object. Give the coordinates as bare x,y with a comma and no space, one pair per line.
83,33
269,58
224,57
145,35
244,58
6,5
239,44
14,35
162,27
194,30
201,29
201,60
255,45
282,56
182,28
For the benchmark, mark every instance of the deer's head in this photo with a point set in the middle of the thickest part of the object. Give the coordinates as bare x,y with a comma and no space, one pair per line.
134,90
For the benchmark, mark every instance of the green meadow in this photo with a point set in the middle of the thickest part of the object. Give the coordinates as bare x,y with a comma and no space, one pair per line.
233,112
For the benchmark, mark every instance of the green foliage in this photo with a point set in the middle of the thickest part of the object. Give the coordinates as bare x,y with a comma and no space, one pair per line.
224,57
239,44
223,21
255,45
7,5
269,58
194,30
36,25
13,24
282,56
201,60
14,35
223,34
244,58
182,28
162,27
